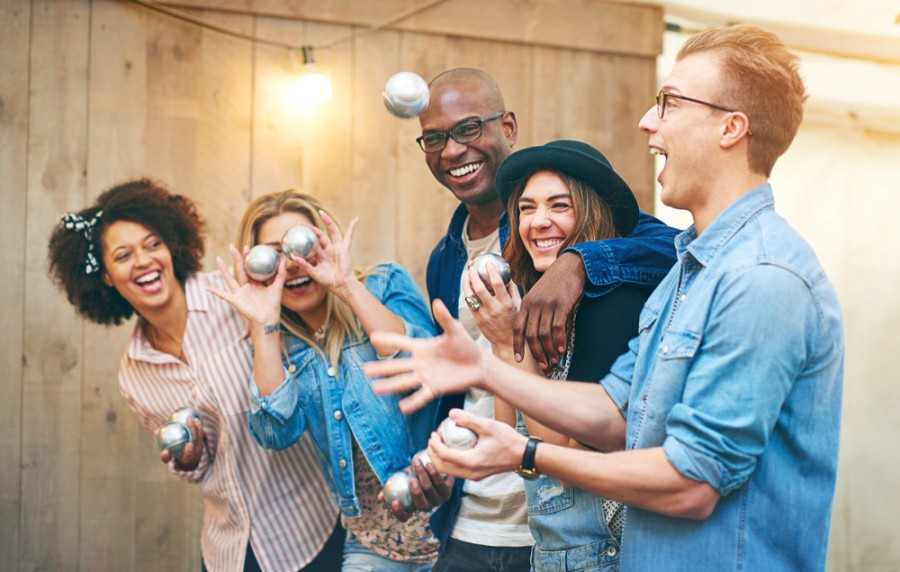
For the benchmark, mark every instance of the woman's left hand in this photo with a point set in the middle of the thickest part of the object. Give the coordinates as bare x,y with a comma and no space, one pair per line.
330,264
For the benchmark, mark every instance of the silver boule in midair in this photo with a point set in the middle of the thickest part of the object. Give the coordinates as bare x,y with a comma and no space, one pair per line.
261,262
173,437
456,436
299,240
502,266
405,94
397,488
183,414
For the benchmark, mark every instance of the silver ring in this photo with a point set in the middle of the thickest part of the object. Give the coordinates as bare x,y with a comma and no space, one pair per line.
474,302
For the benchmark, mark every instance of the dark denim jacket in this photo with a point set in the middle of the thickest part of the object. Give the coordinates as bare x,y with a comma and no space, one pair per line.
643,258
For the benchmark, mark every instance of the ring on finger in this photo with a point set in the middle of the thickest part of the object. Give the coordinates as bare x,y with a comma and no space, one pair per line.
474,302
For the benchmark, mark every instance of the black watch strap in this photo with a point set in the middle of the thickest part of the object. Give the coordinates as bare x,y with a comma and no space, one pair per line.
527,470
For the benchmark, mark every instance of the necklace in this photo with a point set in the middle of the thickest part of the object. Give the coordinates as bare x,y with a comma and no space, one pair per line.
319,334
560,371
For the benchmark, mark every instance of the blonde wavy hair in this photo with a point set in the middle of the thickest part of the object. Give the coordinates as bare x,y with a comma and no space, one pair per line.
340,322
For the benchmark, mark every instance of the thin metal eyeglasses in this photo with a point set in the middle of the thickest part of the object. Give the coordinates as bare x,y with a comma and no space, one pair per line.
465,132
664,95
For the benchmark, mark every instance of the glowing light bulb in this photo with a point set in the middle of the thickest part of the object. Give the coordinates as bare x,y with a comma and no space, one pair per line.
312,87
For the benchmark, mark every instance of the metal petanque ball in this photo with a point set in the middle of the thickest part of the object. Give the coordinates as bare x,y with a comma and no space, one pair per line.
405,94
185,413
173,437
397,488
299,240
261,262
502,266
456,436
423,457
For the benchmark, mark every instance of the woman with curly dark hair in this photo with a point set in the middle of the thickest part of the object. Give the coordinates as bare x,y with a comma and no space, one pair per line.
138,250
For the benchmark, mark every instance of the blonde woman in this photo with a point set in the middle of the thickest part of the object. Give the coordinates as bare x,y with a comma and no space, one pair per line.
310,325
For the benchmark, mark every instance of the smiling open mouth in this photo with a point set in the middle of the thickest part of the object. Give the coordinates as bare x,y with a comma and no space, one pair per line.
298,283
466,169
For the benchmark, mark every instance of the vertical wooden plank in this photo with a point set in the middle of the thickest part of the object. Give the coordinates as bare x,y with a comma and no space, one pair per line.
14,45
277,122
296,144
51,403
424,207
635,88
572,97
222,76
117,109
374,137
327,139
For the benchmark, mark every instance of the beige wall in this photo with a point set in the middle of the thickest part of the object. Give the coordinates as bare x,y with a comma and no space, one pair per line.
93,92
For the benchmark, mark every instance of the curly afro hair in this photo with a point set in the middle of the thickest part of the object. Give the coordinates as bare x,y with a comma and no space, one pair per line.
173,218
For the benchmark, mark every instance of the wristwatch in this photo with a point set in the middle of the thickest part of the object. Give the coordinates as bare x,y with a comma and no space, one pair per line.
526,470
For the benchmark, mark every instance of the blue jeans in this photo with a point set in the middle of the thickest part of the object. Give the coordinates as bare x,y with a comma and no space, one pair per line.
462,556
358,558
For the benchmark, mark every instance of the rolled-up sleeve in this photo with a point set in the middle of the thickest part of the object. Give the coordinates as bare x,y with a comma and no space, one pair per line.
738,382
396,289
275,420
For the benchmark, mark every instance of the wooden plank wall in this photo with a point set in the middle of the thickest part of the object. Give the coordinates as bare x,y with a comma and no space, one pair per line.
94,92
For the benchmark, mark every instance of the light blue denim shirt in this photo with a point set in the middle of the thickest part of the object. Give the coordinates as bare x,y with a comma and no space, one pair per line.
333,401
737,373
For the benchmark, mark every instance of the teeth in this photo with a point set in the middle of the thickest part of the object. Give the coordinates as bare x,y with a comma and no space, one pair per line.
146,278
464,170
655,151
548,243
302,281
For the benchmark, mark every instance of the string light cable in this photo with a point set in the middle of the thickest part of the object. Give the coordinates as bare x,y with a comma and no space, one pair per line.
179,15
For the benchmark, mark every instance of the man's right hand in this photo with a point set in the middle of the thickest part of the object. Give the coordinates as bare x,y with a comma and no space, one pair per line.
429,489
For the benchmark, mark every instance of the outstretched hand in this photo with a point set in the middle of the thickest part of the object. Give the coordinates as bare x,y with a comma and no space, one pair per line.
258,302
449,363
546,308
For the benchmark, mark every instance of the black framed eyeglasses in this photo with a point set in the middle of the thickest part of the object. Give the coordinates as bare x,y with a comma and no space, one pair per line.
663,96
464,132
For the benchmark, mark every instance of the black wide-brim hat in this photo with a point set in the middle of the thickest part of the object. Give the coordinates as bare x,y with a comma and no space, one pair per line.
578,160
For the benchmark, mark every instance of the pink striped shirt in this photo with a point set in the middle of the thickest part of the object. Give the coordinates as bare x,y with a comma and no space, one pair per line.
277,501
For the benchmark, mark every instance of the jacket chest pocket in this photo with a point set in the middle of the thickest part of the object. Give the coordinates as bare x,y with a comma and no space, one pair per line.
302,373
672,362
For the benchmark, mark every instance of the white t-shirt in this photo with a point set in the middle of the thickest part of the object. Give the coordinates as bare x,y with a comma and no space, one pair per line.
493,511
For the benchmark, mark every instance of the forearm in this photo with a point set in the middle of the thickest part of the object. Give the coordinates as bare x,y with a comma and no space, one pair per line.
371,313
504,412
640,478
535,428
268,371
582,411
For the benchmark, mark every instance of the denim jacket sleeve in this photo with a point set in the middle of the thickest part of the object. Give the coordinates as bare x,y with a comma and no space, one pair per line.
273,419
644,257
396,289
737,386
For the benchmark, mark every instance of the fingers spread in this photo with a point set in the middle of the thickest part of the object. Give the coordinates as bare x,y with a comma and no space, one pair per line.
399,383
393,342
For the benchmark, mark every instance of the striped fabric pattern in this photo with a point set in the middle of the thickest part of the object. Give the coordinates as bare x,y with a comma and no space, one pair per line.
276,500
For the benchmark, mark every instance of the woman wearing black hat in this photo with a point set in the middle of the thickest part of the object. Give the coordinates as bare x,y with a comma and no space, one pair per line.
557,195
